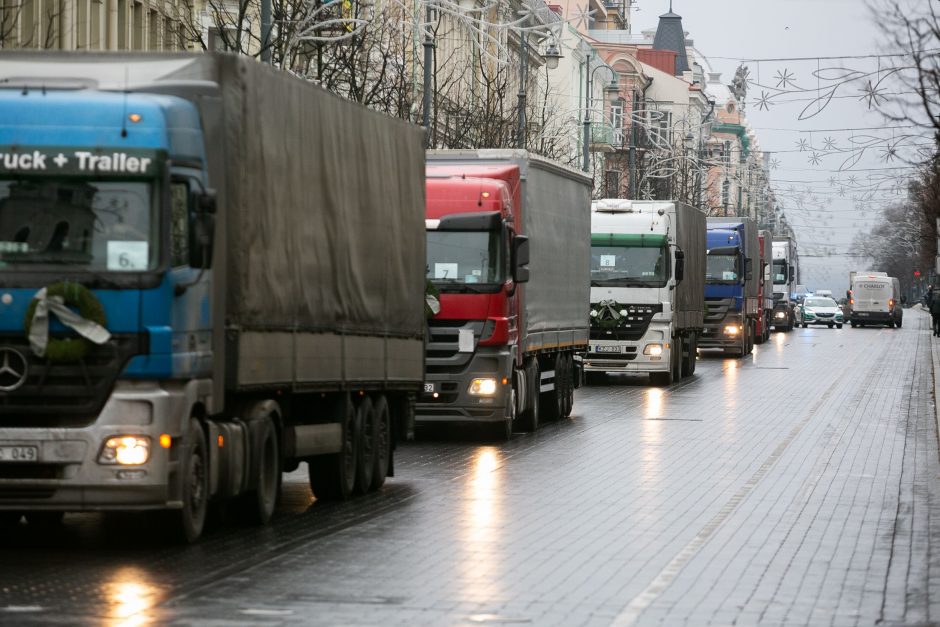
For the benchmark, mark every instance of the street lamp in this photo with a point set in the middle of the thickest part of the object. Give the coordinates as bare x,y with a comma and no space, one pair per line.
551,56
613,91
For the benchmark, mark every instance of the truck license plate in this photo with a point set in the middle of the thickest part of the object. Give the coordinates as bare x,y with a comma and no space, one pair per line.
429,388
19,454
607,349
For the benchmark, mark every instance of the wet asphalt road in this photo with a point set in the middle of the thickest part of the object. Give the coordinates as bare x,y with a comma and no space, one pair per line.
798,486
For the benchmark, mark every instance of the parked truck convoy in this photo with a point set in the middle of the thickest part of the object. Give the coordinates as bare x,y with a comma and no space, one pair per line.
232,334
508,251
785,275
731,285
646,308
765,301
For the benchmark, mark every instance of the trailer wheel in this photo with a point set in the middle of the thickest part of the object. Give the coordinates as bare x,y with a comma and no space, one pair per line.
899,322
258,504
383,442
333,477
194,475
529,419
367,438
503,430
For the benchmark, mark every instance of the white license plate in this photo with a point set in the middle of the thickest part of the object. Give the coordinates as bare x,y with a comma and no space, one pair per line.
19,454
607,349
429,388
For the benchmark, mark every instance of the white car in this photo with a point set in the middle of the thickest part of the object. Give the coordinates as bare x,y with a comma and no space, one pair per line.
819,310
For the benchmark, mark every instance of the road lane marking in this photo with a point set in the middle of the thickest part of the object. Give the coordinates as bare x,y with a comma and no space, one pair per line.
664,579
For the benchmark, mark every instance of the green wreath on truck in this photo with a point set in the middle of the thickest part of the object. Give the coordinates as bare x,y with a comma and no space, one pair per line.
75,296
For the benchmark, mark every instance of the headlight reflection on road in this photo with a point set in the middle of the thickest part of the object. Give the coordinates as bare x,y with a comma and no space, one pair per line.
729,371
654,403
780,340
130,597
481,535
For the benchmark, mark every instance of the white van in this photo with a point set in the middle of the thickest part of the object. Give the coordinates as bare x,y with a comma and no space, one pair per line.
876,300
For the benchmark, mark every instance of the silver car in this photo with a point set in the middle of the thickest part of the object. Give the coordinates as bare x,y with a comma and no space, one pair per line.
819,310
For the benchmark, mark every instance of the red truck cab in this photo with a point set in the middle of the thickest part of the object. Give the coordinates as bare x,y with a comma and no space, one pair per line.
471,216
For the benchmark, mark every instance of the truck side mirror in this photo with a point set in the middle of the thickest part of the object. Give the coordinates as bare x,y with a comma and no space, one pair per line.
792,275
520,259
207,201
201,236
748,269
680,265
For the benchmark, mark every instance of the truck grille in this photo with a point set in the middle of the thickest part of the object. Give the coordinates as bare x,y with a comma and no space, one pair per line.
630,328
65,394
442,350
716,309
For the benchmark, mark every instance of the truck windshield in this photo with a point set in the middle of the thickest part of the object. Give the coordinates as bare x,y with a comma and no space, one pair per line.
626,266
721,268
780,271
465,258
98,225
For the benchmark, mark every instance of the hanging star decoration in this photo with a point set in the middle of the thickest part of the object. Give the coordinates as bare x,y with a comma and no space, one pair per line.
832,181
774,164
583,17
763,103
829,143
784,78
842,192
829,202
816,159
888,153
803,145
853,180
873,93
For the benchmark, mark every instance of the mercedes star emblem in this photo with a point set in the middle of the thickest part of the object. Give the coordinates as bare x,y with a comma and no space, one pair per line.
13,369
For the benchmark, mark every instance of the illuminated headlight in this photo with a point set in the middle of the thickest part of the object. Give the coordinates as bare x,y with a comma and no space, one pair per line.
780,314
732,329
483,387
126,450
654,350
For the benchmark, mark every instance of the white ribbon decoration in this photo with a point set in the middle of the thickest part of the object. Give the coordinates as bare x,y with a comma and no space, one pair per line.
39,329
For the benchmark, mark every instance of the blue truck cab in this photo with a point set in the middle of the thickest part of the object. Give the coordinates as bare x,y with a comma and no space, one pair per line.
731,283
103,206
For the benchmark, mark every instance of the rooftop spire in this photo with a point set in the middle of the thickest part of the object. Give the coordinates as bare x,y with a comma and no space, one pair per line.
671,36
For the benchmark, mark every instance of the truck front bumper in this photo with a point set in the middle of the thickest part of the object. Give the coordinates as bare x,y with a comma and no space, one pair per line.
67,474
716,335
624,356
447,396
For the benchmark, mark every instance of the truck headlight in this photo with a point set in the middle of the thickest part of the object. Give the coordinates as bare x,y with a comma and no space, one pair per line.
126,450
732,329
780,314
655,350
482,387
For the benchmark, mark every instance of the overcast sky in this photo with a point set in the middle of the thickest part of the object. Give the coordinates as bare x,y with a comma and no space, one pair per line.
810,187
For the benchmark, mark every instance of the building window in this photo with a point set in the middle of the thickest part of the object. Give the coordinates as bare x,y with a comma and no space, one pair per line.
725,192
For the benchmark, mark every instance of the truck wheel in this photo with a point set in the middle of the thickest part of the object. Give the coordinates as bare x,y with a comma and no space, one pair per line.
661,378
899,322
838,326
676,358
503,430
367,437
383,442
333,477
891,324
688,357
693,353
258,504
529,419
194,492
569,385
853,324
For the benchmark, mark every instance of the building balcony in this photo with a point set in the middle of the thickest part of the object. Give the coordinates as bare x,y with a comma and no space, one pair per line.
602,137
